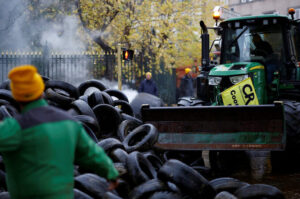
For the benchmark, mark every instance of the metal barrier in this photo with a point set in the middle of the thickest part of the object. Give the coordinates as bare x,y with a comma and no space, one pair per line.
78,67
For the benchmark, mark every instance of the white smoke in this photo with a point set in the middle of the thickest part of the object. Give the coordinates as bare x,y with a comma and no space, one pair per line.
62,36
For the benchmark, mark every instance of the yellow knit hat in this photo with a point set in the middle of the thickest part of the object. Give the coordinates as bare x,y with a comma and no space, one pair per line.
26,84
148,73
187,70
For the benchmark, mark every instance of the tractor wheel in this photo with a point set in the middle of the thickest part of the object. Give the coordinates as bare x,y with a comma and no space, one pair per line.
292,151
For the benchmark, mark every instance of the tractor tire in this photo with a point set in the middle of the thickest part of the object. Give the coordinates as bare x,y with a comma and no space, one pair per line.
292,152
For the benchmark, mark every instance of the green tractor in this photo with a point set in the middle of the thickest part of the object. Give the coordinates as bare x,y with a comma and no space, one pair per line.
250,101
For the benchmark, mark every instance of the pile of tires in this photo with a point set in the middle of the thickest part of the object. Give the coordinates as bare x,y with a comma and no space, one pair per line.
145,171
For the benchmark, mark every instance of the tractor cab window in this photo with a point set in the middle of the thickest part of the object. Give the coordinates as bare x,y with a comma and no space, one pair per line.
296,37
252,41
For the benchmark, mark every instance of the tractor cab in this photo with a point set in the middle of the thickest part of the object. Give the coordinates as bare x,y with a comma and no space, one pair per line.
261,48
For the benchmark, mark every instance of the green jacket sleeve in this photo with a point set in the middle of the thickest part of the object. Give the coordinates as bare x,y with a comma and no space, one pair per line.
10,135
92,157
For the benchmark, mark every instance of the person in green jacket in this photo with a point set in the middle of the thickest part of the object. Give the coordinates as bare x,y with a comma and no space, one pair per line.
41,145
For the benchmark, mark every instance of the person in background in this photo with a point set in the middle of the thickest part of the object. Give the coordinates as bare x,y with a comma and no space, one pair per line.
40,146
186,88
148,85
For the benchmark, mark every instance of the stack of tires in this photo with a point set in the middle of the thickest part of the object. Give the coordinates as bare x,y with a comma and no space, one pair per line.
145,171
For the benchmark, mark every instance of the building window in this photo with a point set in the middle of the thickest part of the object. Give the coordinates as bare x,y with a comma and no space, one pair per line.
297,13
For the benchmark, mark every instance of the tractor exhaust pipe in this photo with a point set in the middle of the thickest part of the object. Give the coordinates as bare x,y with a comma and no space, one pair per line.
205,47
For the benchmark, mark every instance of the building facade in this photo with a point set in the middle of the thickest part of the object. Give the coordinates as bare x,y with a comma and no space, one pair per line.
258,7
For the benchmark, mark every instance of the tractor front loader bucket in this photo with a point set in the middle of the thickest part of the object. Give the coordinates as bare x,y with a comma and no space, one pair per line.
260,127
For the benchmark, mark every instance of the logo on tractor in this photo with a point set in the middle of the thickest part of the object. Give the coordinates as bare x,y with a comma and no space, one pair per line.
242,93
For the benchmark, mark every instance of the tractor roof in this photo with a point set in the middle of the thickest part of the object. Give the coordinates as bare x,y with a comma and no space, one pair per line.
257,17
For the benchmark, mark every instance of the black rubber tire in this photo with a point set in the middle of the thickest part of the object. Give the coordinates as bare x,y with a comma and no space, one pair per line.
154,160
119,155
225,195
4,102
5,85
80,195
107,98
95,98
139,168
125,107
204,171
144,98
12,110
147,188
69,88
83,108
121,168
91,83
292,115
123,188
110,144
141,138
227,184
4,112
84,98
61,100
91,184
118,94
109,195
257,191
90,132
165,195
187,179
292,151
126,127
7,95
4,195
129,117
91,122
109,118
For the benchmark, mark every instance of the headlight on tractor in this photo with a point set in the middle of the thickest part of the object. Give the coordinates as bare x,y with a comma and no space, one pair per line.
214,81
238,78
